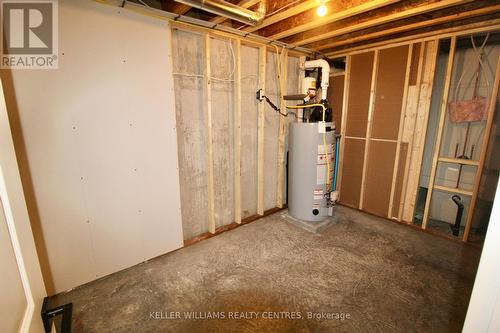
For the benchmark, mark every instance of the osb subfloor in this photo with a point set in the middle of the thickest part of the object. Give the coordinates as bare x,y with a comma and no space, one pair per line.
386,277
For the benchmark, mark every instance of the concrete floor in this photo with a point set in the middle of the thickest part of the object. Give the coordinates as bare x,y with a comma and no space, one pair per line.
387,277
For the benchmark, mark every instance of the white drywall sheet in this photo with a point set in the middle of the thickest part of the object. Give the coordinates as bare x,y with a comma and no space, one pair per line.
101,143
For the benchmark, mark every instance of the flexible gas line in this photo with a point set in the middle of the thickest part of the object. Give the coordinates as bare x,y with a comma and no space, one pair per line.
324,139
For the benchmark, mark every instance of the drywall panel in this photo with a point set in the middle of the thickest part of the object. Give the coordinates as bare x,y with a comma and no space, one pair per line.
271,133
352,172
389,92
336,98
223,69
359,94
101,145
249,85
13,302
188,67
380,166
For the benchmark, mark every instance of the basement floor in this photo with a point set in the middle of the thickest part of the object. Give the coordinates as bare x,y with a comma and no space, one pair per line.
384,276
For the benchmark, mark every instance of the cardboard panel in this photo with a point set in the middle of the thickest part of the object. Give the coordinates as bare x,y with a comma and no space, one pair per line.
389,92
399,179
359,94
335,98
379,177
352,172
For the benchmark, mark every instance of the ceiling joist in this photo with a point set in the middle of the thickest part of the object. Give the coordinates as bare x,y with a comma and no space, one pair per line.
408,27
383,19
371,5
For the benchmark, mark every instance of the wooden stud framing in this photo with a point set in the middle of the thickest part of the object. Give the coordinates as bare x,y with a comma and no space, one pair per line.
442,117
282,132
363,8
419,88
484,149
369,126
237,133
210,155
302,75
343,125
261,129
408,27
400,131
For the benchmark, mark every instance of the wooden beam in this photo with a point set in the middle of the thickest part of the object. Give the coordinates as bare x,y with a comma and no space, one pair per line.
423,111
282,131
442,117
409,27
308,4
458,161
369,124
261,128
210,155
302,75
245,4
484,149
472,28
412,126
237,133
371,5
378,21
400,131
343,125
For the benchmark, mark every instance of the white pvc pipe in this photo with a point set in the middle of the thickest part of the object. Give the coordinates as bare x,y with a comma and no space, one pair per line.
325,74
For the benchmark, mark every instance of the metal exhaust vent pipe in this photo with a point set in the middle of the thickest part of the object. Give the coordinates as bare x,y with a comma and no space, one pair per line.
226,9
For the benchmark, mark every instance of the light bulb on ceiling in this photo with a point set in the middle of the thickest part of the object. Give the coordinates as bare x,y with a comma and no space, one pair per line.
321,10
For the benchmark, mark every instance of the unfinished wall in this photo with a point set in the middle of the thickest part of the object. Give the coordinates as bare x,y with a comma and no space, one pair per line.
358,102
384,131
191,94
97,146
465,61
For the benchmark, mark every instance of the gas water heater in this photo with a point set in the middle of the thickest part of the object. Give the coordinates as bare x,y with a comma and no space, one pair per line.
310,170
312,149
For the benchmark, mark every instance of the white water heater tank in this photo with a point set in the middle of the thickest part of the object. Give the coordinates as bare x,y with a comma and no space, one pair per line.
312,145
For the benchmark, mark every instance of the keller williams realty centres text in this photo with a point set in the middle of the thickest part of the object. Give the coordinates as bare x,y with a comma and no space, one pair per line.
247,315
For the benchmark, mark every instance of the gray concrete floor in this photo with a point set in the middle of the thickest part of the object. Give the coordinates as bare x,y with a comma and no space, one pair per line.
387,277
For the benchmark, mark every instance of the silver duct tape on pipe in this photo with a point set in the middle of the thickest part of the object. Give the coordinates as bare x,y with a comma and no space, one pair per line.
226,9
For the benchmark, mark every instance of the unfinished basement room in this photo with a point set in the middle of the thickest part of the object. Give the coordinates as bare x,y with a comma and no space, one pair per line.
249,166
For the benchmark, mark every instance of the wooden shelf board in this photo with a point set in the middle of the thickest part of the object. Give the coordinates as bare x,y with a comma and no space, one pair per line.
452,190
458,161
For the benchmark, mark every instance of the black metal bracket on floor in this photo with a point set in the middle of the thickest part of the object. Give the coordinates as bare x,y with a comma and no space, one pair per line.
48,315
